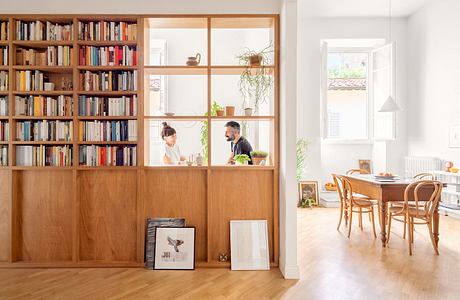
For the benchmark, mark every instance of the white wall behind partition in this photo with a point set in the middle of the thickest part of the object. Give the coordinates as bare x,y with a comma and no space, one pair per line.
434,72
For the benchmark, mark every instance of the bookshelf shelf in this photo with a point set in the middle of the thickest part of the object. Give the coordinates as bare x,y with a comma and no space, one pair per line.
42,118
43,93
4,68
4,118
107,68
42,143
107,93
47,168
3,93
41,44
48,69
4,142
107,143
107,43
119,168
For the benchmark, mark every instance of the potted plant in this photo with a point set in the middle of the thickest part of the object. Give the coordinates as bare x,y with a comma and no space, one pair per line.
230,110
256,81
248,111
241,159
259,158
220,112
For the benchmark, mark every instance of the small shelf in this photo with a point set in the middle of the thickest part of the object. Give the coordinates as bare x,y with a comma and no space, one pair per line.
42,143
49,69
4,68
4,43
237,70
41,44
107,68
4,93
107,93
87,168
43,118
44,93
41,168
107,43
84,118
107,143
4,142
4,118
176,70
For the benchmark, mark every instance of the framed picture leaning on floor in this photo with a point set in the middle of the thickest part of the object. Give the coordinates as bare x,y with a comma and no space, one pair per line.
308,194
174,248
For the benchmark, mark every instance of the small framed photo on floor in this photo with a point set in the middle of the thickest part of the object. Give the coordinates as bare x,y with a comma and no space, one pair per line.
308,193
174,248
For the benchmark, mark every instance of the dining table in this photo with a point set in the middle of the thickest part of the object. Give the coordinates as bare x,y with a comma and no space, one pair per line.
388,191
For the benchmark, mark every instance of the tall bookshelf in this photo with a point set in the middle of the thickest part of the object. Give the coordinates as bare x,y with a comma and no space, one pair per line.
81,215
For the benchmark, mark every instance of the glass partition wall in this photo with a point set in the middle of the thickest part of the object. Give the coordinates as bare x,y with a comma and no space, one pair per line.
200,73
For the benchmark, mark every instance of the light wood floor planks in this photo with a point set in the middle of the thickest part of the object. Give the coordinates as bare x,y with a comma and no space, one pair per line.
332,267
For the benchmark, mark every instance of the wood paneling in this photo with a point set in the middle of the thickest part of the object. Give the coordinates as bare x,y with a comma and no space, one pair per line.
5,210
238,195
178,193
108,219
43,215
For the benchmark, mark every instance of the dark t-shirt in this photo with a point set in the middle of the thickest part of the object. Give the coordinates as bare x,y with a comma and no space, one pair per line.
242,146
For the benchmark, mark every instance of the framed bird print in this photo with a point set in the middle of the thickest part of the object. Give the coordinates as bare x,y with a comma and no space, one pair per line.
174,248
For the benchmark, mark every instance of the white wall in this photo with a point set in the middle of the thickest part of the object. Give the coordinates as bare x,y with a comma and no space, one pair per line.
434,72
322,158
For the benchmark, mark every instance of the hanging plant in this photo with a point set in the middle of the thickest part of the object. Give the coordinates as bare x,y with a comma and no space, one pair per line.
204,130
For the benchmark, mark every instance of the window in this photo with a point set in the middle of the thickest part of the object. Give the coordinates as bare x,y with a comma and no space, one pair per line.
347,104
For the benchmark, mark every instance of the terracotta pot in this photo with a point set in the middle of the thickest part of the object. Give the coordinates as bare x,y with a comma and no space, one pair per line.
255,60
220,112
229,110
248,111
257,160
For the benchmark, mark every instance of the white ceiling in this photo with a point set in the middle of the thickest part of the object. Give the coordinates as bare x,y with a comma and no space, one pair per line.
358,8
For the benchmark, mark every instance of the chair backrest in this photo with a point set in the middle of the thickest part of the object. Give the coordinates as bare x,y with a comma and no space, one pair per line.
357,171
338,180
423,176
428,204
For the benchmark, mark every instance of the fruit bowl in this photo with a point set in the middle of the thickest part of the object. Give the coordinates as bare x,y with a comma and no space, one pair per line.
386,175
330,187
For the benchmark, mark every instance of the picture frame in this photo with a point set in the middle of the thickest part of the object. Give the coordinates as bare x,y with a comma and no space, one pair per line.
151,225
454,136
308,193
249,245
175,248
365,164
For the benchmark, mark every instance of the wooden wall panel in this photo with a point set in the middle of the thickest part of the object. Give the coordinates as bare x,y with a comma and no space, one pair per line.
5,210
43,216
178,193
108,218
238,195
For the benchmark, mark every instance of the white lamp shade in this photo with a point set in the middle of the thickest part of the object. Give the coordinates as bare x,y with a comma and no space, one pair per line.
389,105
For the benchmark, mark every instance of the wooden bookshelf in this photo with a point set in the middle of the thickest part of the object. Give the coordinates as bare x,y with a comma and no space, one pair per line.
55,212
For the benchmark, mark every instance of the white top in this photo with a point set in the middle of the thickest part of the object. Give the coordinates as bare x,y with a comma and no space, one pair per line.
173,153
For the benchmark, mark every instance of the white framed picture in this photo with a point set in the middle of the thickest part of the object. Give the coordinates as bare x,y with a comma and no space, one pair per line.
174,248
249,245
454,136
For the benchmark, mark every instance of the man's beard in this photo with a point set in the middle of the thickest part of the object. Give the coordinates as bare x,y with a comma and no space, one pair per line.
230,138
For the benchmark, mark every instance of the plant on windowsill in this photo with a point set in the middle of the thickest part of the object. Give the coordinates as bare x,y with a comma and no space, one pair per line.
259,158
241,159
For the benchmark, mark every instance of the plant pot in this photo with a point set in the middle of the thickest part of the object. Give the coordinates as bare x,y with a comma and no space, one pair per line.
220,112
259,161
248,111
230,110
255,60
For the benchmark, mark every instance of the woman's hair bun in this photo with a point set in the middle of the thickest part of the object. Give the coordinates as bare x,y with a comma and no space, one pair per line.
165,124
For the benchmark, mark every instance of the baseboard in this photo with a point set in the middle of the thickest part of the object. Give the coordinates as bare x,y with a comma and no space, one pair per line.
289,272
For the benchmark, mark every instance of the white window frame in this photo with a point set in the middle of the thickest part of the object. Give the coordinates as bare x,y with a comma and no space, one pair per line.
369,106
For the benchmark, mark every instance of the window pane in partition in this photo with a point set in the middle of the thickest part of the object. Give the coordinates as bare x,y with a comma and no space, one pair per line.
183,95
231,37
259,134
173,40
189,137
347,96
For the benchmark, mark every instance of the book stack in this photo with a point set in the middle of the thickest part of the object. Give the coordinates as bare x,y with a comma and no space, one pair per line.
92,155
3,81
113,131
108,56
4,131
107,31
40,156
108,81
35,106
4,106
3,56
30,80
44,131
3,155
3,31
43,31
52,56
105,106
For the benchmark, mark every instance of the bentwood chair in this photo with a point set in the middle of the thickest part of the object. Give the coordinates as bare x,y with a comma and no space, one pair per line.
357,171
419,211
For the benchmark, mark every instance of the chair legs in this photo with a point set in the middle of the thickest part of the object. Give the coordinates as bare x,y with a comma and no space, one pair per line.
371,217
430,229
350,216
341,215
390,216
373,223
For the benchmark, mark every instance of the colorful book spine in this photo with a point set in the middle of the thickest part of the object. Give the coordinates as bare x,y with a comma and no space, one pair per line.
4,131
3,155
108,81
51,56
107,31
113,131
4,56
40,156
4,106
43,31
92,155
106,106
36,106
108,56
44,131
4,81
4,31
30,80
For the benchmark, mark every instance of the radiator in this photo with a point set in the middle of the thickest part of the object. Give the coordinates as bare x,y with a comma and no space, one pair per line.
414,165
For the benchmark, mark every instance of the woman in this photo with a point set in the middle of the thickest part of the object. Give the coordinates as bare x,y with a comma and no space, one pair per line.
170,150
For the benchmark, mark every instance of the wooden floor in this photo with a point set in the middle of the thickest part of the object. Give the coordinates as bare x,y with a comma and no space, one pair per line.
332,267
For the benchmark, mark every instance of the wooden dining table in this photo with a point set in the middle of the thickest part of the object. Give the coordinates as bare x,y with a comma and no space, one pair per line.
385,192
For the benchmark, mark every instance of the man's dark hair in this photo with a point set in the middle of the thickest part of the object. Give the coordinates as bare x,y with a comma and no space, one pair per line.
234,125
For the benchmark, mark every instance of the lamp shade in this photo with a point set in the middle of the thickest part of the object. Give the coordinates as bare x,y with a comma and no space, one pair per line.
389,105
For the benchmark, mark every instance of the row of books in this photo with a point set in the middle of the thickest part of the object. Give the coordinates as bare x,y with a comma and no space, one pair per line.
37,106
30,80
108,81
4,131
114,131
3,31
52,56
108,56
92,155
42,155
107,31
3,56
44,131
3,106
105,106
3,155
4,81
43,31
